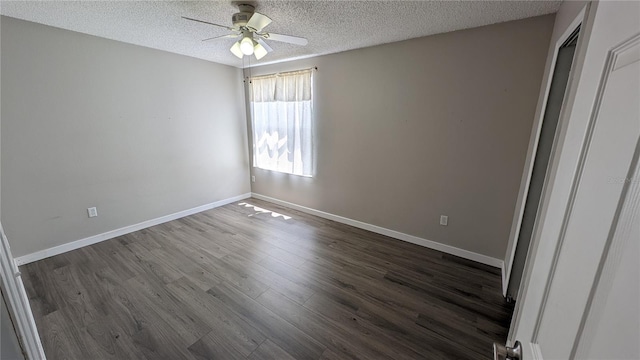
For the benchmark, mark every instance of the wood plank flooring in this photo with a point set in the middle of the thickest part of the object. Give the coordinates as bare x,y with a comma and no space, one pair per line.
253,280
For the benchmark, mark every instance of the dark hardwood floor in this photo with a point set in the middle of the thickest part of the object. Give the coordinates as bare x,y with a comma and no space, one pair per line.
242,282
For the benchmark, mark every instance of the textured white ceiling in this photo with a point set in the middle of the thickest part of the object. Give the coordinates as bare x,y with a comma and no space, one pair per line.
330,26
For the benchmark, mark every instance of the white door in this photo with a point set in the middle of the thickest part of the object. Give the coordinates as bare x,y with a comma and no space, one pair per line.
579,296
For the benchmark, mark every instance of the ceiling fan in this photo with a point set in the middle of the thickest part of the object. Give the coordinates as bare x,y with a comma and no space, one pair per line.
249,25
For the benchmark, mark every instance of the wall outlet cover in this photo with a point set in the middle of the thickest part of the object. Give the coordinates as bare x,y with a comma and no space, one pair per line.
92,211
444,220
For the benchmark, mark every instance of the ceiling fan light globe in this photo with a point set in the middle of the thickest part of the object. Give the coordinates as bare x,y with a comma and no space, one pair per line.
246,46
235,50
259,51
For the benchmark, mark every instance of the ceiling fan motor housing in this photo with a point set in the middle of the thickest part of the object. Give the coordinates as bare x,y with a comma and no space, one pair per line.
241,18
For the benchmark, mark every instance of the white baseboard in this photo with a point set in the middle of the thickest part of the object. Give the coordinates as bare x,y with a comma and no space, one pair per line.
483,259
42,254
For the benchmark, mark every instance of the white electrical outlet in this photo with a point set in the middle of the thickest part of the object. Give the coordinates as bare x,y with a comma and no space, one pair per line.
444,220
93,212
253,178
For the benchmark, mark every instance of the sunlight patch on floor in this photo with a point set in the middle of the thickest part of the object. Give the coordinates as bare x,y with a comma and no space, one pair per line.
260,210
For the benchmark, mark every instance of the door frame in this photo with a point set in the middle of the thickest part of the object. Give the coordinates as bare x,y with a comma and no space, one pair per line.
527,174
584,19
18,303
594,64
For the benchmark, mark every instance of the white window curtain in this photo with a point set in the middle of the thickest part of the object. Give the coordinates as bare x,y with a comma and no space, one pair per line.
281,108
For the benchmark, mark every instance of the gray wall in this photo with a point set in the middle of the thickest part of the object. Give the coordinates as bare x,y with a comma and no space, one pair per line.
137,132
411,130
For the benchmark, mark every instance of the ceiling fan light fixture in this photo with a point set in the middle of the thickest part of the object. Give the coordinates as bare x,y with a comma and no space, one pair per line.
246,45
259,51
246,23
235,49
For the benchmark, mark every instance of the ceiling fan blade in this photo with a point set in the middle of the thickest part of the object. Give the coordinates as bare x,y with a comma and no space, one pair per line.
258,21
264,44
228,36
235,49
286,38
206,22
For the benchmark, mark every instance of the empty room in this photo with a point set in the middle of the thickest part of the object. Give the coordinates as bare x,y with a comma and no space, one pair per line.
320,179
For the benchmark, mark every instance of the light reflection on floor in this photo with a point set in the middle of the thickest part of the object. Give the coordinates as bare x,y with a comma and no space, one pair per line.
260,210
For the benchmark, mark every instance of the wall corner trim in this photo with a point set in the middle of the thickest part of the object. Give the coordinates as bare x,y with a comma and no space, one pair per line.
469,255
56,250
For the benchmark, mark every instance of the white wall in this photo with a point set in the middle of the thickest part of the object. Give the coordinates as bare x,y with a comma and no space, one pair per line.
411,130
136,132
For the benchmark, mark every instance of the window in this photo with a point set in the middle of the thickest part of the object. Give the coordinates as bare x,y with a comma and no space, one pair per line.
281,108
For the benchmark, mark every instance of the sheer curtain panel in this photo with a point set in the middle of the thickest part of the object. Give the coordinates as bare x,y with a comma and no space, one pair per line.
282,112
